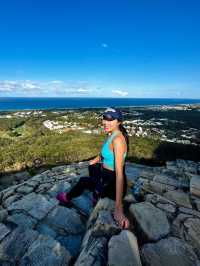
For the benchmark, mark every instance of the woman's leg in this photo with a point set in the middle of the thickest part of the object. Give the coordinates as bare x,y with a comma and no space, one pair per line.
95,174
77,190
91,183
110,186
109,183
83,183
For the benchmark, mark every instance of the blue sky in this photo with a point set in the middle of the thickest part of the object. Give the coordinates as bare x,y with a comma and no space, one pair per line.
107,48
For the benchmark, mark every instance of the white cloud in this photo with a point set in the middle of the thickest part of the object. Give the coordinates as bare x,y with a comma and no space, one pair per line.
7,86
120,92
56,82
29,85
26,88
13,86
104,45
81,90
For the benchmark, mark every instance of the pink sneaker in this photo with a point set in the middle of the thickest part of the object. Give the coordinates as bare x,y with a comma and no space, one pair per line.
63,198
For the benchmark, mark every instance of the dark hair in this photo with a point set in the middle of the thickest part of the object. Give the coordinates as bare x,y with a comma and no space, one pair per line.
125,134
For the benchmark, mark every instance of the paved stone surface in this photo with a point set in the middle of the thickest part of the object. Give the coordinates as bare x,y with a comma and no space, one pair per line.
126,242
151,220
46,251
36,205
36,230
65,219
3,231
22,220
195,185
171,251
179,197
13,247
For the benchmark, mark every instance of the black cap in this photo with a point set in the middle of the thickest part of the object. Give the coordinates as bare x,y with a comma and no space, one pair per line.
112,114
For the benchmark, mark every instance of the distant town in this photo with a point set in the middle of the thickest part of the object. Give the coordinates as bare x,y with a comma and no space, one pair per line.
178,124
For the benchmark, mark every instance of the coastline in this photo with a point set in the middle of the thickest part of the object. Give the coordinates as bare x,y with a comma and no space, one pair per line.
56,103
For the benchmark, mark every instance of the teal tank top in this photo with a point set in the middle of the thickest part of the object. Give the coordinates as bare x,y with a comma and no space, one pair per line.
107,155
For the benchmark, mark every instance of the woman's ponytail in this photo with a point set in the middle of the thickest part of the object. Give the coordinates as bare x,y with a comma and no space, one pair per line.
125,134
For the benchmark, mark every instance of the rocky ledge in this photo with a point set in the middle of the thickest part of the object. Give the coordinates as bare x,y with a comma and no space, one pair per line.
164,215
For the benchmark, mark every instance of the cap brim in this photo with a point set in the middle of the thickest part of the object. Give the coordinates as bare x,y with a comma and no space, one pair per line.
108,117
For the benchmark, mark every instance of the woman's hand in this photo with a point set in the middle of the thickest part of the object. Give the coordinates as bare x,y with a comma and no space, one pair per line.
95,160
91,162
120,219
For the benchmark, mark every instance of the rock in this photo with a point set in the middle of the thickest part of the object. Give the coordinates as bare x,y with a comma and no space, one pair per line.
169,172
132,173
25,189
8,192
151,220
22,220
93,251
197,203
65,220
61,186
7,179
187,166
13,247
32,183
189,211
198,169
46,251
177,228
147,174
72,243
168,208
46,230
105,225
47,173
192,234
167,180
156,187
37,178
84,203
104,243
10,200
118,246
22,176
3,215
170,251
154,198
83,172
60,169
129,198
171,165
61,178
4,230
36,205
179,197
103,204
195,185
43,187
184,184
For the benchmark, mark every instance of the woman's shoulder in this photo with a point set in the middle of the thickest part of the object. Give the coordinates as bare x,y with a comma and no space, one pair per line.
119,138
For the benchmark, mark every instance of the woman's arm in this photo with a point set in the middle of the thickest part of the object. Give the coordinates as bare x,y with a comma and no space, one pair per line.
119,149
95,160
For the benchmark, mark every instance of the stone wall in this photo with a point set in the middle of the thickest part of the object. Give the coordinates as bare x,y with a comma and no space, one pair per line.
164,216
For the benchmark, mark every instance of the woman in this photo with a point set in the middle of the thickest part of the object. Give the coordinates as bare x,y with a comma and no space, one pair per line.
107,170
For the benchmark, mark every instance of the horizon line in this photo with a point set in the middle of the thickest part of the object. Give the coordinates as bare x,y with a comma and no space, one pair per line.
89,97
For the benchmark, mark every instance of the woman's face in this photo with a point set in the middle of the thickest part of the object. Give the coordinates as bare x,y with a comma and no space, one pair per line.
110,126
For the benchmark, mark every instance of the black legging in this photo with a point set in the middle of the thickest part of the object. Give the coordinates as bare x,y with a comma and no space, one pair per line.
102,182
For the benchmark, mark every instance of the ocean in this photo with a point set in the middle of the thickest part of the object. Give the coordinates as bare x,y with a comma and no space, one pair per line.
20,103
